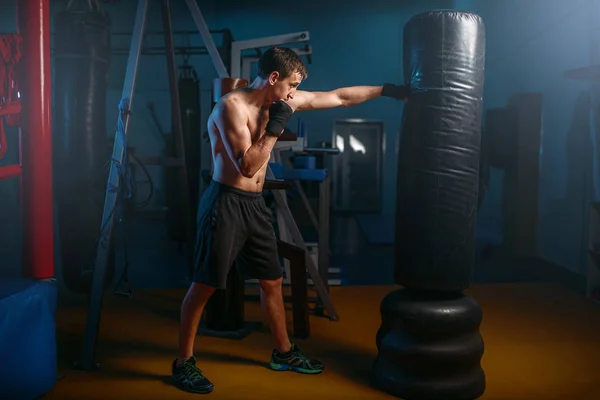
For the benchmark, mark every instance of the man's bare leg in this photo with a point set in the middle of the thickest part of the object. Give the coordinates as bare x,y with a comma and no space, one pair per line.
191,311
271,300
286,356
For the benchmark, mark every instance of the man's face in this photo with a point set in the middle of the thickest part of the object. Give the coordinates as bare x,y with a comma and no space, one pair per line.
285,89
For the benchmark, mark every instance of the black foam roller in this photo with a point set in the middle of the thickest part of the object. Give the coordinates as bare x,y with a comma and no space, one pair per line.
438,167
429,346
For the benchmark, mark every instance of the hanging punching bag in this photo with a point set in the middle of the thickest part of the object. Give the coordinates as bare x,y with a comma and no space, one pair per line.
189,100
189,97
80,145
429,345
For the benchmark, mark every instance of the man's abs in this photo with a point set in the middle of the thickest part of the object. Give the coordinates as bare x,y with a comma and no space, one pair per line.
225,172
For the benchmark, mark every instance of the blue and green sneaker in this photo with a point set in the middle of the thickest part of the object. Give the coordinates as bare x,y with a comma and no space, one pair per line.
295,360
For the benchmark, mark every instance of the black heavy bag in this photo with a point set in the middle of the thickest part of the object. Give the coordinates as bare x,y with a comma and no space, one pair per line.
439,150
80,145
191,113
429,345
189,101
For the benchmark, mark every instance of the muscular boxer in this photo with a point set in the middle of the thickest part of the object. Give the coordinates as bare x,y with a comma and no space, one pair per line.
234,224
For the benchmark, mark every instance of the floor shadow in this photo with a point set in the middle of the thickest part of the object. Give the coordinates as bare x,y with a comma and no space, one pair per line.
353,363
70,349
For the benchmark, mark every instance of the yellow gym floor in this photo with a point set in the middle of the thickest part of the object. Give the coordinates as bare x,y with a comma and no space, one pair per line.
542,342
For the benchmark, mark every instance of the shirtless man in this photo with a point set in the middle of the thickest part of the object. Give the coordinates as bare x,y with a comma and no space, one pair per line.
234,224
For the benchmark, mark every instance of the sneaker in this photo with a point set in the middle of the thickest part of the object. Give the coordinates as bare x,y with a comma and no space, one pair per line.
295,360
189,377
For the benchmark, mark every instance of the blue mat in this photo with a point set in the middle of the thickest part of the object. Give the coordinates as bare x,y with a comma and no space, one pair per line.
28,367
379,229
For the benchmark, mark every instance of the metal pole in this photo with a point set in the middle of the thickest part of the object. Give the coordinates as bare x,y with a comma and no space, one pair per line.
177,129
36,121
324,204
112,192
208,42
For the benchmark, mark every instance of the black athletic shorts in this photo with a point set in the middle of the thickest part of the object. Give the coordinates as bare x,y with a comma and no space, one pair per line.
234,228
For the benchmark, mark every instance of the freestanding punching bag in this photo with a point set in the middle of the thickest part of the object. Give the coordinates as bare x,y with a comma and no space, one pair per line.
80,145
429,345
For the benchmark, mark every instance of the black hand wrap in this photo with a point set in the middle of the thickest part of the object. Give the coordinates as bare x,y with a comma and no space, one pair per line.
395,91
279,115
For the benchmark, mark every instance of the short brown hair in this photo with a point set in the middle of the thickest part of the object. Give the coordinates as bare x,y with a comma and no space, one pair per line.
282,60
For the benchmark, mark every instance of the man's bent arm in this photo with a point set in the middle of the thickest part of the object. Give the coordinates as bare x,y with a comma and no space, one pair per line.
257,155
248,158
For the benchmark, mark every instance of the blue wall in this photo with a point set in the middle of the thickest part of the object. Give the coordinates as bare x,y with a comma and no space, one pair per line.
530,45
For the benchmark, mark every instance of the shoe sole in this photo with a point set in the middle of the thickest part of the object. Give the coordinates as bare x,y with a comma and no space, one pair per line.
182,387
287,367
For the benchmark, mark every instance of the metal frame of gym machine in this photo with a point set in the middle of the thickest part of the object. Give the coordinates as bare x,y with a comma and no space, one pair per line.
87,362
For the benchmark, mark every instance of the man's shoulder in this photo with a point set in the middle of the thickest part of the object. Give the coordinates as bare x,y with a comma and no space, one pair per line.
231,106
235,97
233,102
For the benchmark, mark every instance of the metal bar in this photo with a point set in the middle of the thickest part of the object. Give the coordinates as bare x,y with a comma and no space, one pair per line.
208,42
162,53
267,41
324,204
309,209
112,193
299,241
36,119
247,67
10,171
321,150
238,46
152,49
303,197
149,51
300,313
175,33
176,128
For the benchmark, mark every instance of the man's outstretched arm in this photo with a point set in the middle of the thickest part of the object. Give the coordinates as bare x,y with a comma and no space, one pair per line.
346,97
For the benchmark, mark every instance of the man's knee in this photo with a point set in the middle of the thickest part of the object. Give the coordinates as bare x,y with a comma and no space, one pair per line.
271,285
200,292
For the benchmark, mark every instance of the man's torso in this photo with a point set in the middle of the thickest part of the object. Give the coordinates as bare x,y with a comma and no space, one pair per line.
224,169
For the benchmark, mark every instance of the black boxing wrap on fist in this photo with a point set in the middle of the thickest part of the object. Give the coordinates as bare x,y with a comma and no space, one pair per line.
395,91
279,115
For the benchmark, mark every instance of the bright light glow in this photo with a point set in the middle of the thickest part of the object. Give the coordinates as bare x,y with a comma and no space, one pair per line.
339,143
357,145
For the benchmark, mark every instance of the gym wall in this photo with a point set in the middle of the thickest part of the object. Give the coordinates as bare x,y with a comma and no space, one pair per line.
530,45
